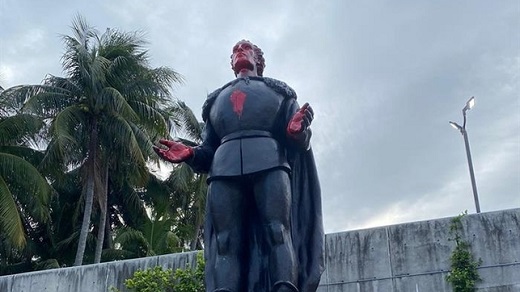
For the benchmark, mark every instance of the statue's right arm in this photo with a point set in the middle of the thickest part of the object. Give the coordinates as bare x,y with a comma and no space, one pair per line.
203,154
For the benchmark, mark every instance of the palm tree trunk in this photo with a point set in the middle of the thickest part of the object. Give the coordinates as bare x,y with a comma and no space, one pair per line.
103,200
200,195
89,198
194,242
89,195
198,224
109,242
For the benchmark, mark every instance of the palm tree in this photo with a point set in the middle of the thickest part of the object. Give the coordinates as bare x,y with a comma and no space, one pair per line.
104,115
163,217
188,200
24,192
152,237
170,209
185,196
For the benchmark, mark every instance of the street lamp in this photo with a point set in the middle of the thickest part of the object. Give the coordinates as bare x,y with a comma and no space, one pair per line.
462,129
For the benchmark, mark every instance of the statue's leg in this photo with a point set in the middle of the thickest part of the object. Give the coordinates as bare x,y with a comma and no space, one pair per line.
225,203
273,199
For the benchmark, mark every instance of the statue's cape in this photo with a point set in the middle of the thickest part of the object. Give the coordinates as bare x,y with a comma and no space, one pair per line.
306,218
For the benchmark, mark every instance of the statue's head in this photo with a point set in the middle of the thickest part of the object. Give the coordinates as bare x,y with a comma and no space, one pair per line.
247,55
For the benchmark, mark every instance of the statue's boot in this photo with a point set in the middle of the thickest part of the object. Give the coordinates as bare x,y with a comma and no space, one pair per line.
284,286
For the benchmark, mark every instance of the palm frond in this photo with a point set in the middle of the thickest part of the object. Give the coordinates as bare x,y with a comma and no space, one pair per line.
125,139
49,101
151,117
64,132
79,59
10,222
181,177
82,30
15,97
158,196
128,235
113,101
66,84
19,128
46,264
133,202
23,176
68,242
117,254
30,155
116,43
183,117
168,77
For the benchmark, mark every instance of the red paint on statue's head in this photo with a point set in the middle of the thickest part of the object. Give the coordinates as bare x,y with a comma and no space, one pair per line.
247,56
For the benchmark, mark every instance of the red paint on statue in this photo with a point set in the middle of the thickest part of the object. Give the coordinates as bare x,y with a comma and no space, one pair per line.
237,99
296,123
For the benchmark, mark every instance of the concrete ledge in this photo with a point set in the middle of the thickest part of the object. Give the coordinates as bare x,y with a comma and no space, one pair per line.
406,257
415,256
91,278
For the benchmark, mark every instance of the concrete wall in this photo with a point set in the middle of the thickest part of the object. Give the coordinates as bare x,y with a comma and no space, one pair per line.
415,256
90,278
399,258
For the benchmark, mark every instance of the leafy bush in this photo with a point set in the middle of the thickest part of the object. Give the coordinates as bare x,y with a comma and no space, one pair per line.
159,280
191,280
151,280
463,275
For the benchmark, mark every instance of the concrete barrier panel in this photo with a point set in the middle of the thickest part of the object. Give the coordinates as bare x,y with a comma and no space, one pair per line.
178,261
357,256
420,247
494,237
399,258
364,286
422,283
119,271
500,276
5,283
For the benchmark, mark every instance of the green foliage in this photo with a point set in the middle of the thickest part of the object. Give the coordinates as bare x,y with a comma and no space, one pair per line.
151,280
191,280
464,275
159,280
24,191
98,124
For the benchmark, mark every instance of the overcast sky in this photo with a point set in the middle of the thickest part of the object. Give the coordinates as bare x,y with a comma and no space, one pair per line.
384,79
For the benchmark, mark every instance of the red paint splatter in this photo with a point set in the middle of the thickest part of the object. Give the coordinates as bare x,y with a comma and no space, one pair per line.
237,99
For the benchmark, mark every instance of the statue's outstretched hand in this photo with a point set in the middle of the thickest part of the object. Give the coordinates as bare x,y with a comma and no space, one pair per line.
301,120
176,152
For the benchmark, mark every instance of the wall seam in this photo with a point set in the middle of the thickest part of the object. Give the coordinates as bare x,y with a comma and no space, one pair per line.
389,257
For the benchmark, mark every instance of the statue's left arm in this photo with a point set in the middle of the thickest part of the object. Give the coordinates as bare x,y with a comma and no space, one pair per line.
199,158
298,126
203,154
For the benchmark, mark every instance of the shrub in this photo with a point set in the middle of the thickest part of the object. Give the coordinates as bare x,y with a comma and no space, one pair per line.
191,280
463,275
151,280
157,279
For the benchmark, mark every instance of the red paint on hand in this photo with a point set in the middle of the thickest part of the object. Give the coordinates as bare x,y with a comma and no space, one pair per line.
176,152
296,124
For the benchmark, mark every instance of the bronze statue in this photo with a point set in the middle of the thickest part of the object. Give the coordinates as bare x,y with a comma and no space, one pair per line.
263,229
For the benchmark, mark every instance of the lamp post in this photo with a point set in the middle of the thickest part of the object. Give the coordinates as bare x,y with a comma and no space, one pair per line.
462,129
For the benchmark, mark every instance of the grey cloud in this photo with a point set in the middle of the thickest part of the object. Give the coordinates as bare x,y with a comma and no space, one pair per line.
384,78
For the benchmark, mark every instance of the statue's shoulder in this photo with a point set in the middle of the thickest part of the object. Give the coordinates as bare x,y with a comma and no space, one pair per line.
211,98
280,87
